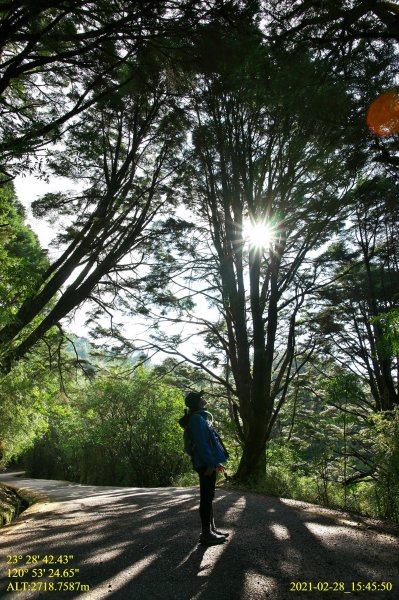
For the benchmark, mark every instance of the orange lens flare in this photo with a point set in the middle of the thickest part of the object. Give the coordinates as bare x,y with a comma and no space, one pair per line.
383,115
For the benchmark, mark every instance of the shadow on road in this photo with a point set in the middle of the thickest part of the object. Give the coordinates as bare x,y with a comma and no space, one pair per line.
132,543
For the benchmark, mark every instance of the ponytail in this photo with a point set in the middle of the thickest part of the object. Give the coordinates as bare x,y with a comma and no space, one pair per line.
183,422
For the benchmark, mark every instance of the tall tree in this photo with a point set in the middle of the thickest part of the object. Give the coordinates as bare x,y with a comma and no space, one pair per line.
354,321
265,157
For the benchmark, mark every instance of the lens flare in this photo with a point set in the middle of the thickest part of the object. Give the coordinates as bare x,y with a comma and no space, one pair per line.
383,115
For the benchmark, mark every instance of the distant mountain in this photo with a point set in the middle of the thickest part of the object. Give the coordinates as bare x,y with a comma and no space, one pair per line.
81,346
87,352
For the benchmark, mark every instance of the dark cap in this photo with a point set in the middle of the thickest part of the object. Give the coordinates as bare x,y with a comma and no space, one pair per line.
192,399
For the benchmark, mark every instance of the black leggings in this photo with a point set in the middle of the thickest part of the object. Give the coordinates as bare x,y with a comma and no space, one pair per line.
207,494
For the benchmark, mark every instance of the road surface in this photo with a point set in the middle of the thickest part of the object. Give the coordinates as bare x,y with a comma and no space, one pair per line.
136,543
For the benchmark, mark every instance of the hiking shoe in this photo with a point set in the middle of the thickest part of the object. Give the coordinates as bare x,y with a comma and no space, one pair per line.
210,538
225,535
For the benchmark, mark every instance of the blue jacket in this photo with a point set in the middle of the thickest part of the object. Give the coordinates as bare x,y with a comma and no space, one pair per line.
202,443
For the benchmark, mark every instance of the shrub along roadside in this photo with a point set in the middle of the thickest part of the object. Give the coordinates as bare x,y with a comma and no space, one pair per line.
317,477
118,432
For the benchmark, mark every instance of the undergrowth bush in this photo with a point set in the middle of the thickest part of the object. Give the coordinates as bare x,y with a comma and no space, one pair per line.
287,475
120,432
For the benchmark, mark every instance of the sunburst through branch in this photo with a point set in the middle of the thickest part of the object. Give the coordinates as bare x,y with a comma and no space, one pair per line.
258,234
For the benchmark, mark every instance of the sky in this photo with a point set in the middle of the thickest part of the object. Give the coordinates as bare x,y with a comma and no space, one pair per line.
30,188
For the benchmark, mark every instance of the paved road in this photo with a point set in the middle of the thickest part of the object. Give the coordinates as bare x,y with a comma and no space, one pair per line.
135,543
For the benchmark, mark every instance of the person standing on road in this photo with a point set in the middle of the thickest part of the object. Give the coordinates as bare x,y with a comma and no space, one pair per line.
207,453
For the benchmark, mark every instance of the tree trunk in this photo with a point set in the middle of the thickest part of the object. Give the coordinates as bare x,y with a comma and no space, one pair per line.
252,467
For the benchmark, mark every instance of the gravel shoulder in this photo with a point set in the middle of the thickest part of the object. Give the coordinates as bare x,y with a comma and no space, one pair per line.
142,543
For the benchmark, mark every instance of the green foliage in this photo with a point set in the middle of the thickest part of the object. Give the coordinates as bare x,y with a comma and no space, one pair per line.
383,435
57,453
22,260
136,422
181,375
317,480
25,394
389,324
30,387
187,479
331,449
357,316
284,477
119,432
